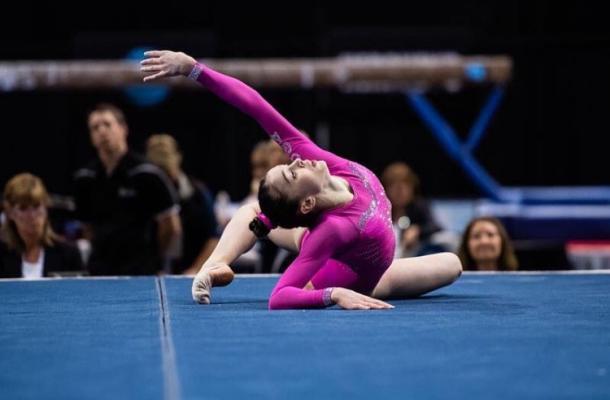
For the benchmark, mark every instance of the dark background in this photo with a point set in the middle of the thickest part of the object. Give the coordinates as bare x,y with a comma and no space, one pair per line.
549,130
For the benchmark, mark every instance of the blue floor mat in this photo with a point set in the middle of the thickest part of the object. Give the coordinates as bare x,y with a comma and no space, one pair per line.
80,339
505,336
494,336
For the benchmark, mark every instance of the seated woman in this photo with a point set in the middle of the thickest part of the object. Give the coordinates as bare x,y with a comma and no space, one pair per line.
417,231
486,246
332,211
31,249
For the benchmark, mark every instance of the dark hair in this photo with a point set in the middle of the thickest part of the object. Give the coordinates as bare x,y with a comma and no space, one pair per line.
281,210
400,172
111,108
507,261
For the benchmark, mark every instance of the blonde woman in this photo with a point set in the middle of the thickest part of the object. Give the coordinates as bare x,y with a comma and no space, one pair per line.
31,249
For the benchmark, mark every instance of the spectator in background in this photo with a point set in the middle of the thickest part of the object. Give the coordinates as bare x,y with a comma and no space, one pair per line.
273,258
30,248
199,225
259,165
265,155
128,205
276,155
414,224
486,246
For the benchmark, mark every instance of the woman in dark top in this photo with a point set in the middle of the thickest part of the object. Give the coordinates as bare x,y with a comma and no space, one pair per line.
30,248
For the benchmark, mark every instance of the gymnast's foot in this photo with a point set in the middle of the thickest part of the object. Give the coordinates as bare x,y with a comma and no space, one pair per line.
218,274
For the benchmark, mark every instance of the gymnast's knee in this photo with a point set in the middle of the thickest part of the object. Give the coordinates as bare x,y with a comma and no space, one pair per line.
453,264
457,265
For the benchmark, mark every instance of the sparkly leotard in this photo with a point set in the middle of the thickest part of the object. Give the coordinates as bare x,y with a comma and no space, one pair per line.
349,246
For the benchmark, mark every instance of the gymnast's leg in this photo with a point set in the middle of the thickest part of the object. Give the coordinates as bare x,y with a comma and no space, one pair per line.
289,239
235,240
412,277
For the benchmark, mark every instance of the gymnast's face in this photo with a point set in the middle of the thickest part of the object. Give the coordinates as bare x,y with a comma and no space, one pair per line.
484,242
107,133
299,179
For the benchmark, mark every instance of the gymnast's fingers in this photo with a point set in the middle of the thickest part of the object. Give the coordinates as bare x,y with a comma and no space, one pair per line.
151,68
154,53
150,61
380,304
158,75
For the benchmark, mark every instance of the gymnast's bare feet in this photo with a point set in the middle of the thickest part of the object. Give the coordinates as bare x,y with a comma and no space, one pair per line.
217,274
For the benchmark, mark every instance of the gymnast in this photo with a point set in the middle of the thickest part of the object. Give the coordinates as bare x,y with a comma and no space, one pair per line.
332,211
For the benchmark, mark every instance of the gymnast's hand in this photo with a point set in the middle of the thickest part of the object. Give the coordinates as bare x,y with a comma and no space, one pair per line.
351,300
165,64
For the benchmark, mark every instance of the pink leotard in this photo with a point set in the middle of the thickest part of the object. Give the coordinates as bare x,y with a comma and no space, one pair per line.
350,245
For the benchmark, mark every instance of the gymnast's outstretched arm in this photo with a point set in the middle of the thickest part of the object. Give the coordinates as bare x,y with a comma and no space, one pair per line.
164,63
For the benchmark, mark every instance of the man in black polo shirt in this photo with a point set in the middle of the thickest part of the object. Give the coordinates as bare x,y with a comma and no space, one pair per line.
128,205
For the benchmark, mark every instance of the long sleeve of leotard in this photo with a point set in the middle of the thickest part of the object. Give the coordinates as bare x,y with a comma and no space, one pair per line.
324,241
250,102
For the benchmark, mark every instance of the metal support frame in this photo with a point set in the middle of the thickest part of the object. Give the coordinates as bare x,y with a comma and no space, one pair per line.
462,153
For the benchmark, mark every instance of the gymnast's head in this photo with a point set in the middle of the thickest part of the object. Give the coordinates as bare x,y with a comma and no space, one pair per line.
288,195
